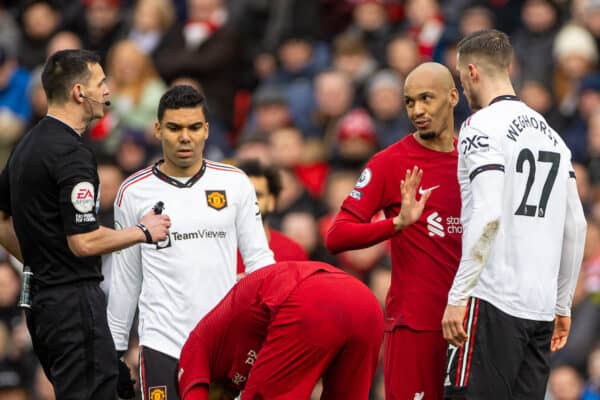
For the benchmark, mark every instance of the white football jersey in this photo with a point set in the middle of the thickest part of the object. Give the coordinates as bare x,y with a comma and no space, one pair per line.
518,191
179,280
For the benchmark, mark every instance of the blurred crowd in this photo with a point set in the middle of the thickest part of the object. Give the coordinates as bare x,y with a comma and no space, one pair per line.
313,87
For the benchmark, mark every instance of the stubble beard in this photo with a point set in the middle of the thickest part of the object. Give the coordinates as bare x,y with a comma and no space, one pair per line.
428,135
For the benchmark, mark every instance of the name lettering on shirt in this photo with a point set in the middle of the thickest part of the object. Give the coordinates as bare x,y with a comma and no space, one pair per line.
519,124
251,357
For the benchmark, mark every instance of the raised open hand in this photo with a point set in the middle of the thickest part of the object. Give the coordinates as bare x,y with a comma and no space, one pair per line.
411,208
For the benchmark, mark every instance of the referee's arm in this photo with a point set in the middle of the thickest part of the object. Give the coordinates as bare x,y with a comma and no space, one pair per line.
105,240
8,237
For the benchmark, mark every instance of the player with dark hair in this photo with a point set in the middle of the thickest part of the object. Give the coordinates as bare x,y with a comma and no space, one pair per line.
267,184
177,281
279,330
524,232
50,187
414,182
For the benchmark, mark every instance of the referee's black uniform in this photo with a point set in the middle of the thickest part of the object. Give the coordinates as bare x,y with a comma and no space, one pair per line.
50,187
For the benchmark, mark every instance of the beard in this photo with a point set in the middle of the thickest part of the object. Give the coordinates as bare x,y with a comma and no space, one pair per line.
428,135
264,216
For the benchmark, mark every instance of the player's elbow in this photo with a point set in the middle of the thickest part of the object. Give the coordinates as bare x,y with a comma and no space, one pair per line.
332,243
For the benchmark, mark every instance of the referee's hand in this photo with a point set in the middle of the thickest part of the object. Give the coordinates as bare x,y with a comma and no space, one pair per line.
452,325
157,224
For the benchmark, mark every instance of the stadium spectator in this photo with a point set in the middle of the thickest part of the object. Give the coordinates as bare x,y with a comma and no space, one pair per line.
151,21
278,331
402,55
575,55
352,57
136,89
63,40
359,262
205,47
534,40
334,96
101,26
15,110
384,98
40,20
267,185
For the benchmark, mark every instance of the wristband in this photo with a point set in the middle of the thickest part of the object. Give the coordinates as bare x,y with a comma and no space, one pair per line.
146,233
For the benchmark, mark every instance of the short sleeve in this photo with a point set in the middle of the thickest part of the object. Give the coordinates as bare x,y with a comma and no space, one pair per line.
77,178
368,195
479,151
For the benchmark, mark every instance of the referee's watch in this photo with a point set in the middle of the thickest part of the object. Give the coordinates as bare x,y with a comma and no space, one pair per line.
146,233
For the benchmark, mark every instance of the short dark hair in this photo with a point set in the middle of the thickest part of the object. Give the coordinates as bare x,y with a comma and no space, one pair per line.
64,69
253,167
181,96
490,45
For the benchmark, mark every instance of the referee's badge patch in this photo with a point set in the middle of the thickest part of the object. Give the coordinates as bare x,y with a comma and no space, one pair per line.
157,393
82,197
216,199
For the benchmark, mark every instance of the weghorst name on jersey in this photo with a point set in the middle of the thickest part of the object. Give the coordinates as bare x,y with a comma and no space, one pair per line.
526,121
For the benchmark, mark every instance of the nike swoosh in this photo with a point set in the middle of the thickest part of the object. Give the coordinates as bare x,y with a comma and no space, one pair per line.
422,191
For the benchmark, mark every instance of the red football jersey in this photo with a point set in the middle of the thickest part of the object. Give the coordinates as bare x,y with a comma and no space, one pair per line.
425,255
224,344
284,249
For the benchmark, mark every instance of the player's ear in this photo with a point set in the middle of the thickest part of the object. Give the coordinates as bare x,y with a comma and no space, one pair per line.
206,130
453,94
157,134
473,72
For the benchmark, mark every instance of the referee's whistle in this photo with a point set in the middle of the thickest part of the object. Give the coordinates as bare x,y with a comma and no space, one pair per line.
158,208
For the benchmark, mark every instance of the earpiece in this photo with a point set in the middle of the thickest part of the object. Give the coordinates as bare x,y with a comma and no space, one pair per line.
81,94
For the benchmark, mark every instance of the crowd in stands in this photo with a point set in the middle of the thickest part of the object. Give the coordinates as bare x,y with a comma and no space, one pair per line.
313,87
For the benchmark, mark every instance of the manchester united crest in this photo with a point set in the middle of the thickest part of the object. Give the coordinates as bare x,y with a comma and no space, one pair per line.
216,199
157,393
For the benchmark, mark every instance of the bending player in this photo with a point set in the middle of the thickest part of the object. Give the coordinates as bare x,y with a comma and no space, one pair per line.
291,323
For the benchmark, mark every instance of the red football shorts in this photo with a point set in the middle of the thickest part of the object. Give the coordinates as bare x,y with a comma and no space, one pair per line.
414,363
331,325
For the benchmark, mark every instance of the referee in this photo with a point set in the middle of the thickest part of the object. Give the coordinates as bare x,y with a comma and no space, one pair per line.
50,188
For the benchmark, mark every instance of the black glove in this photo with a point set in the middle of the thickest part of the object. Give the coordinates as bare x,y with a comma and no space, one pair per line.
124,383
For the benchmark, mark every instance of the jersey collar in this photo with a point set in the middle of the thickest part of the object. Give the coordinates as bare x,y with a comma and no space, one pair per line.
171,181
504,97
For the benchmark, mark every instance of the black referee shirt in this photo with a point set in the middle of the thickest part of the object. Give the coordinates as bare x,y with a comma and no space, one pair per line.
50,187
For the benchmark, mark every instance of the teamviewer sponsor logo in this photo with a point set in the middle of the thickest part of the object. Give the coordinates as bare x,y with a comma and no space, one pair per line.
434,225
199,234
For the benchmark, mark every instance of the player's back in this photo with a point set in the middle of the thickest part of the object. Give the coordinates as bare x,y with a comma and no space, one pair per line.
520,276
